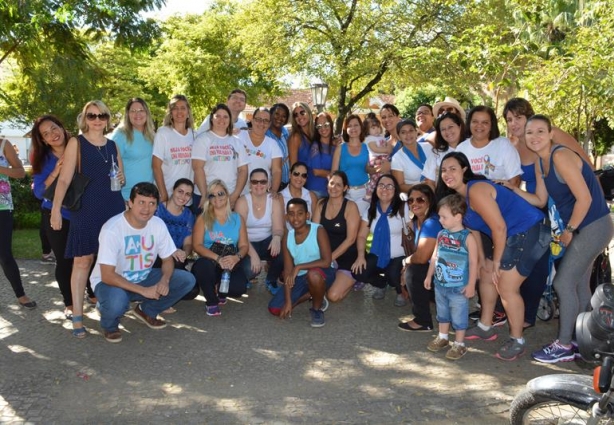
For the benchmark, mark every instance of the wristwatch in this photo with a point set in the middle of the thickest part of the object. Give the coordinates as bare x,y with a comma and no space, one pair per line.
571,229
240,256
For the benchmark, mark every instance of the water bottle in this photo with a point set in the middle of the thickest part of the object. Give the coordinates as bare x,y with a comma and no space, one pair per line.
116,184
225,282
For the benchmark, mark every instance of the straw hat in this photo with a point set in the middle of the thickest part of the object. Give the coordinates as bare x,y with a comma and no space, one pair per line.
446,103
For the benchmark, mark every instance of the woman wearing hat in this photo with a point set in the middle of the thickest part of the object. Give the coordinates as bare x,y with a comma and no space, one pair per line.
448,105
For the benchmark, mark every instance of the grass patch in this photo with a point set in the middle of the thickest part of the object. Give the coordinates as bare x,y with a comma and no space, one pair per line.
26,244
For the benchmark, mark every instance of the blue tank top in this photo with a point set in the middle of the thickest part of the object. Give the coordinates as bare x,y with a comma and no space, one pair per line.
308,250
227,233
528,176
565,200
355,166
303,150
518,214
452,268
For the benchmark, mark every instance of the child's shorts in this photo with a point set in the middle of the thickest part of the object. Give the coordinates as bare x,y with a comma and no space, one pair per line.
452,306
301,287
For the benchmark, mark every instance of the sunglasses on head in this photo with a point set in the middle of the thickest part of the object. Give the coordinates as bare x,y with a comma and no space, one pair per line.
301,113
418,200
92,117
255,182
297,174
220,194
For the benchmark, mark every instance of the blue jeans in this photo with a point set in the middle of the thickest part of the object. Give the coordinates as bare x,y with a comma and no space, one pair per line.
113,302
452,306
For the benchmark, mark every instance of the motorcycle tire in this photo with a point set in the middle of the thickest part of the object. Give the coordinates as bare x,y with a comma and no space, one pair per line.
529,408
546,309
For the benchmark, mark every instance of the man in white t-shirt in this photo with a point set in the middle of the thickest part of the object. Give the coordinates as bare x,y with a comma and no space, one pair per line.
237,99
130,242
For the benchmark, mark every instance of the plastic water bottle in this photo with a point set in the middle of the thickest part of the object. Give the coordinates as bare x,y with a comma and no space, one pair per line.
116,184
225,282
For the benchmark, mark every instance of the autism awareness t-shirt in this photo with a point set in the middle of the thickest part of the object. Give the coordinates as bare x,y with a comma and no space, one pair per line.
222,155
175,152
132,251
498,160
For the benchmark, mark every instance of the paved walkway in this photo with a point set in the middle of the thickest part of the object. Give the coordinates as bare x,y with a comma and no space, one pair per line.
247,367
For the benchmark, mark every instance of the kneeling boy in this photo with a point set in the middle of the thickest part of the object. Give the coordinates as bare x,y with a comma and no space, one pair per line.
307,265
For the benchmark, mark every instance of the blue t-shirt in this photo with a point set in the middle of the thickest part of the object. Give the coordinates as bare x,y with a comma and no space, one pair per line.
38,184
518,214
179,226
430,228
321,159
282,142
452,268
136,157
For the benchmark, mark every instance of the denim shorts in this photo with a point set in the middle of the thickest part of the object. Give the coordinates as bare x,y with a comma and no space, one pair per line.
523,250
452,306
301,287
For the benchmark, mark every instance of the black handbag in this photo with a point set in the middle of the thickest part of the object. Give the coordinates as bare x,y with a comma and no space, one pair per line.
408,238
72,198
222,249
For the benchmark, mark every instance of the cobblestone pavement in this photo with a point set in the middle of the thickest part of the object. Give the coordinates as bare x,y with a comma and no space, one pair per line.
247,367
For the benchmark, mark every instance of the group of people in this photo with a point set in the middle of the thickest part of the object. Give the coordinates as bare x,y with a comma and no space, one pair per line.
328,214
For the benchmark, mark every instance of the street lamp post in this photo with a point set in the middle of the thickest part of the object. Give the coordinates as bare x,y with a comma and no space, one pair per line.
318,95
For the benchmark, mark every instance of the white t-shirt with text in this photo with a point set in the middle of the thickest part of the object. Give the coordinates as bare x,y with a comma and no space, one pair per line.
175,151
498,160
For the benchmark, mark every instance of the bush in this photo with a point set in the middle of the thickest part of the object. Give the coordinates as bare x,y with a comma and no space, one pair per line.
27,207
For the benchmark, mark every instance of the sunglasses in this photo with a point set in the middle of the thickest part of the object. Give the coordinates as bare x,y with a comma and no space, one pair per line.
92,117
388,186
297,174
325,125
418,200
301,113
220,194
255,182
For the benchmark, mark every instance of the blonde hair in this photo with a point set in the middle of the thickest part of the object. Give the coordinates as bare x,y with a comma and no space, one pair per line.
168,118
82,118
208,213
126,126
297,128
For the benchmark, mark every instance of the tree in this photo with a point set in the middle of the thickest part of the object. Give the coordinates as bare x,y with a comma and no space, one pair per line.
351,45
201,57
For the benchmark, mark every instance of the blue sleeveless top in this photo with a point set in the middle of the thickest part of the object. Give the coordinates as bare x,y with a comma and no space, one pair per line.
308,250
565,200
452,268
528,176
303,150
518,214
355,166
227,233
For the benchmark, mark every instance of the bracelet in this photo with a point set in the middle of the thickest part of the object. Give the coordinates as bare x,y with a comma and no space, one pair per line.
217,260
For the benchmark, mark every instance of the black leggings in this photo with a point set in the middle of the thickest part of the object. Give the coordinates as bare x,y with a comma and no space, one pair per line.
378,277
63,266
208,275
7,261
420,296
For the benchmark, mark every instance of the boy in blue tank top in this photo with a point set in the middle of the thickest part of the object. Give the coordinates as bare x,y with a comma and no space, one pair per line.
307,265
454,269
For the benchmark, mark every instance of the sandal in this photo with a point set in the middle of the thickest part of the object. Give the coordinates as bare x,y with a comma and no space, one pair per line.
78,333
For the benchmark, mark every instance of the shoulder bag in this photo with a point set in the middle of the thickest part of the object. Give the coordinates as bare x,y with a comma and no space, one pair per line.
72,198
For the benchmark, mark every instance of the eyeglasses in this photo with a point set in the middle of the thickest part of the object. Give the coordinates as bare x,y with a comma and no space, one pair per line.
384,186
255,182
297,174
92,117
220,194
418,200
301,113
137,111
423,113
325,125
262,120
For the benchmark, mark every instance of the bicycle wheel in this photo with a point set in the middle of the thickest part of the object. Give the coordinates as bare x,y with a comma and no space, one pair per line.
531,409
545,310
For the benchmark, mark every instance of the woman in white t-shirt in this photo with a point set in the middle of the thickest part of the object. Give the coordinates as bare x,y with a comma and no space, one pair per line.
449,133
262,151
172,151
219,155
489,154
407,163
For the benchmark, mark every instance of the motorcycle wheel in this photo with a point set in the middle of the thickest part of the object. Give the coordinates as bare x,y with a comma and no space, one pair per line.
545,310
531,409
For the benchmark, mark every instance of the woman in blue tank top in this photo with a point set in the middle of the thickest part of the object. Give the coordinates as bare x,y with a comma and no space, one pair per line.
519,239
578,196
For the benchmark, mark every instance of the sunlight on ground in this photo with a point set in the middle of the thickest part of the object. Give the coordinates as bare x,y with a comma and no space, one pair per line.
6,328
21,349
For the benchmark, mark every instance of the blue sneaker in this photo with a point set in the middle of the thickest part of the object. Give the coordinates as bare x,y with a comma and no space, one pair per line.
317,318
554,353
272,287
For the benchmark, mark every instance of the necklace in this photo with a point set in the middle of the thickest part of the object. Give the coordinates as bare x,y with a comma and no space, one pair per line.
256,206
106,156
